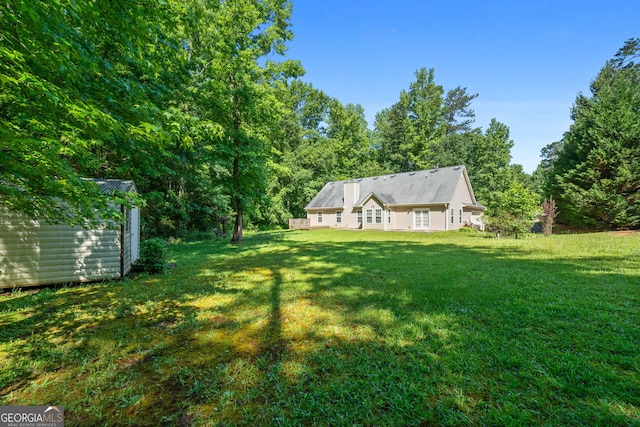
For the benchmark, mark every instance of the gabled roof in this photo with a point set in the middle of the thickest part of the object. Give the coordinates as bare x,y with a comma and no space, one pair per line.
109,186
433,186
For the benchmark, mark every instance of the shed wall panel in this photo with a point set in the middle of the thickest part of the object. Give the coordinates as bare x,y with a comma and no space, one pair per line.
38,253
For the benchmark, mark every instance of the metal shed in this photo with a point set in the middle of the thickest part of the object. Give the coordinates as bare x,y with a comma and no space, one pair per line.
34,252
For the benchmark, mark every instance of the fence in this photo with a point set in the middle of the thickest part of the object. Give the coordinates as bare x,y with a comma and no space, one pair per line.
299,224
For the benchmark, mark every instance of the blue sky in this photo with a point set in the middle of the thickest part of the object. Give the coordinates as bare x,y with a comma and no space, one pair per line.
527,60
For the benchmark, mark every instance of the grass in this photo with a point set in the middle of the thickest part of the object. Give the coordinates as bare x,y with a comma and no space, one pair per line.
342,328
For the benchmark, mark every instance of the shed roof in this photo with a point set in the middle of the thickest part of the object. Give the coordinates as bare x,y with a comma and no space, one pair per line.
109,186
432,186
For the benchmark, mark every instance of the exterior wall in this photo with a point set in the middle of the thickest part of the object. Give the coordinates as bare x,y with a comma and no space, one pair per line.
328,218
370,222
433,217
135,234
125,262
349,219
36,253
398,218
461,196
403,218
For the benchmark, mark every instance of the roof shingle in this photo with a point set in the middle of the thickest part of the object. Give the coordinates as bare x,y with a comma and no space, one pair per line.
433,186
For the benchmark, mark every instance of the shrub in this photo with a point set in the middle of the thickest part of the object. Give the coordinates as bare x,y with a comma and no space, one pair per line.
153,255
515,212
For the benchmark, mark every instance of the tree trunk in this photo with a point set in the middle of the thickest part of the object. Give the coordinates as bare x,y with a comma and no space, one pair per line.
237,227
237,200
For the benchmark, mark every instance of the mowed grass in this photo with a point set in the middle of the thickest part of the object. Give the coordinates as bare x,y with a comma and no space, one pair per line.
342,328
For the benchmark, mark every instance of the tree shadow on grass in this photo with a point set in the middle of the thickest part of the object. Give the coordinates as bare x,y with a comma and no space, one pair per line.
285,332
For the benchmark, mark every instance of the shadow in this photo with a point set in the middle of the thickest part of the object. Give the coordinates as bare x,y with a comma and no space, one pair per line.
36,253
355,328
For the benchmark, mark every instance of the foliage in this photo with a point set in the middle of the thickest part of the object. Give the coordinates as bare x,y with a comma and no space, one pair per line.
154,255
594,176
515,211
424,130
317,328
228,45
186,99
76,84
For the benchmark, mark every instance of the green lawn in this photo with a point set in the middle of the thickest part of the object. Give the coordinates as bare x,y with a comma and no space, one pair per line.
342,328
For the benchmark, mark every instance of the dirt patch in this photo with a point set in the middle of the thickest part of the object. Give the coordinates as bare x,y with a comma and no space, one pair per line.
623,233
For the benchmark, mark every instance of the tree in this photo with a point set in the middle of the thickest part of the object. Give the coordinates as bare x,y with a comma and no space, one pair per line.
301,159
514,212
457,105
488,163
595,177
548,215
395,135
348,135
236,89
76,85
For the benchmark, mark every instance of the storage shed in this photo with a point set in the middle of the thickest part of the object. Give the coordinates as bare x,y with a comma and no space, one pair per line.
34,252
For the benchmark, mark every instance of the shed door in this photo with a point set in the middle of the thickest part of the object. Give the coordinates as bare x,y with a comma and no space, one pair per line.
135,233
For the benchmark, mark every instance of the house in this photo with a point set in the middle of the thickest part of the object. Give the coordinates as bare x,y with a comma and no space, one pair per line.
428,200
34,252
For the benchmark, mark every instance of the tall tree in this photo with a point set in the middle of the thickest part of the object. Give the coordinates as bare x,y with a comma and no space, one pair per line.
76,83
596,175
458,114
236,89
395,136
488,163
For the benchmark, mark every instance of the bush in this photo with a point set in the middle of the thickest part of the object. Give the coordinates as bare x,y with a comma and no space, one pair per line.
153,255
515,212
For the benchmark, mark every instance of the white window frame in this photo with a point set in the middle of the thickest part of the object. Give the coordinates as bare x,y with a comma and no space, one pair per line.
424,219
378,216
339,217
359,217
369,216
319,217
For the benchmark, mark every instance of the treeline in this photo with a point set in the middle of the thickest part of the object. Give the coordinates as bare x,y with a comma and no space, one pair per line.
594,171
194,100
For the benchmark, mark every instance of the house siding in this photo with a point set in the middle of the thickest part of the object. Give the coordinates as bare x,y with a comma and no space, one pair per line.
37,253
372,205
420,201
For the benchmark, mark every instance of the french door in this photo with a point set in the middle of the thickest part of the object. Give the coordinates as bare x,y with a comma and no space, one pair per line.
421,219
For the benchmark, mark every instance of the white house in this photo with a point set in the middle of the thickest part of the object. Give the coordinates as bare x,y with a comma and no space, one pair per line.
428,200
34,252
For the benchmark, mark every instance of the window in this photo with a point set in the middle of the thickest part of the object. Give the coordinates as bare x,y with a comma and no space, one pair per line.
319,217
359,217
452,215
378,216
369,216
421,219
127,227
460,218
339,217
389,216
